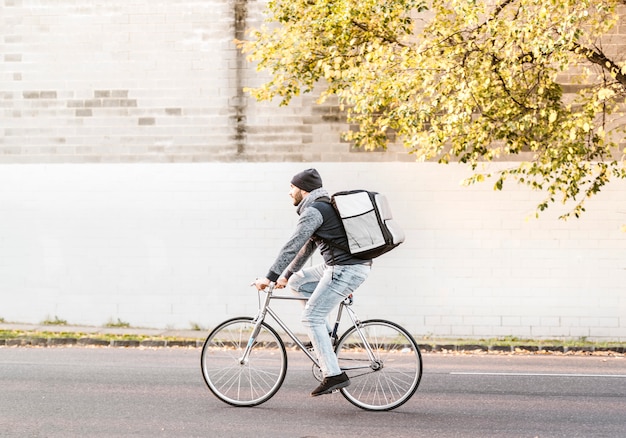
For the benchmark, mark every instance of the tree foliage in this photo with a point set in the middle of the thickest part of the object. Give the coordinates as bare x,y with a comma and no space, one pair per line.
466,80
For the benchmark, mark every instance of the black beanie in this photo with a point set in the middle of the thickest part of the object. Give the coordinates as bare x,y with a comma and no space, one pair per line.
307,180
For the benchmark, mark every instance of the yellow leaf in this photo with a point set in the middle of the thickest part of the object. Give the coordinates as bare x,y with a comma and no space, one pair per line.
605,93
552,118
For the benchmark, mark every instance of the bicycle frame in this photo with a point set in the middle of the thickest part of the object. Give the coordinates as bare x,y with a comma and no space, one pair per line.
265,309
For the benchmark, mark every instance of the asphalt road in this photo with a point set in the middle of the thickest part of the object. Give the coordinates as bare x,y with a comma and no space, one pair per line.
117,392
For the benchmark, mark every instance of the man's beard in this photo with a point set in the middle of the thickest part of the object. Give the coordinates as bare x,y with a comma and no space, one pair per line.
297,198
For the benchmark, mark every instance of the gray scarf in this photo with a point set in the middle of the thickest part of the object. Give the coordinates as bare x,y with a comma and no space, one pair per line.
313,196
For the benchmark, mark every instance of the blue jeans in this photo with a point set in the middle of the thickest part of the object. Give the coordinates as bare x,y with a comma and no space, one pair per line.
325,287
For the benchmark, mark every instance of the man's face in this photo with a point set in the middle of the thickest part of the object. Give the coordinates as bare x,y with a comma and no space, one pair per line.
296,194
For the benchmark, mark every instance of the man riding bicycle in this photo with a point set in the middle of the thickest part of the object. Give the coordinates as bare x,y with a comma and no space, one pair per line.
326,284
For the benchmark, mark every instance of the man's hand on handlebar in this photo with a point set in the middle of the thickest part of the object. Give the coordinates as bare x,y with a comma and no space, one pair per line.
262,283
281,283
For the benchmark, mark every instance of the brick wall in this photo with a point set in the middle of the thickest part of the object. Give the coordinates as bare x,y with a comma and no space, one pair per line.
121,81
116,81
159,81
180,199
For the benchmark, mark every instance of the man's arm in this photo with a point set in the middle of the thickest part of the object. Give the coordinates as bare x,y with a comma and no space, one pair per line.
310,220
303,255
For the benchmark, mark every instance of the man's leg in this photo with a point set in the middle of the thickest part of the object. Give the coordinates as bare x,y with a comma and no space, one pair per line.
337,283
304,282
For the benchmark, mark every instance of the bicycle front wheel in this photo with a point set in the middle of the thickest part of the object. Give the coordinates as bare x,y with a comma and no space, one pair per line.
240,382
389,378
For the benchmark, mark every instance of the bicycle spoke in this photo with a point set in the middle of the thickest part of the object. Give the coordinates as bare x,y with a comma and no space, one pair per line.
392,377
255,380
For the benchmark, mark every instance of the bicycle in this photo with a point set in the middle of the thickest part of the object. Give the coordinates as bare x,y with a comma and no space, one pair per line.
244,360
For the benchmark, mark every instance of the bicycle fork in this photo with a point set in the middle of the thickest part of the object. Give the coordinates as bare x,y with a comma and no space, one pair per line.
258,321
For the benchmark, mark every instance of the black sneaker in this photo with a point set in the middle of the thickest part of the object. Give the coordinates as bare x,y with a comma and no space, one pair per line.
331,384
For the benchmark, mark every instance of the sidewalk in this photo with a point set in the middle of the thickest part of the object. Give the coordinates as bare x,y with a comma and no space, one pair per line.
40,335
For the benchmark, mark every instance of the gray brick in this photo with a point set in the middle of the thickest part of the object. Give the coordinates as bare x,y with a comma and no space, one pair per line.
146,121
13,57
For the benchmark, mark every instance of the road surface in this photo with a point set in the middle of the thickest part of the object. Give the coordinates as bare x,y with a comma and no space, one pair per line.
118,392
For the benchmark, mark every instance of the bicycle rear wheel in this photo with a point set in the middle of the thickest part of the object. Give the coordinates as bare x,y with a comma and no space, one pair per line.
243,384
392,377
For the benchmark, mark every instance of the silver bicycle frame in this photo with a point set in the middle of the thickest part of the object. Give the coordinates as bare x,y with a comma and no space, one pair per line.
265,309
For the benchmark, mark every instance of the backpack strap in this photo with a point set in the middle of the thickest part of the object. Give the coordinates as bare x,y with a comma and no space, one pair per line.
327,200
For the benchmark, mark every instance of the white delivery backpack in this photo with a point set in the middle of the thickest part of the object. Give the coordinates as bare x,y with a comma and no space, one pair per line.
368,222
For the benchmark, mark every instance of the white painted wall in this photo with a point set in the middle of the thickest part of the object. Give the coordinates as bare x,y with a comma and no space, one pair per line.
170,245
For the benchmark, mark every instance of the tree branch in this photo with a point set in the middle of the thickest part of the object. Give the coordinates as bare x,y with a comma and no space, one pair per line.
503,5
388,39
597,57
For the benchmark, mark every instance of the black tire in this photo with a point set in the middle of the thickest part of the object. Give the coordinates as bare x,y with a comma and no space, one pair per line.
253,382
392,378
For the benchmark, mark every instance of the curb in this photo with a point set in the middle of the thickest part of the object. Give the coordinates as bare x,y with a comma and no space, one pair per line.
37,341
28,341
31,335
518,349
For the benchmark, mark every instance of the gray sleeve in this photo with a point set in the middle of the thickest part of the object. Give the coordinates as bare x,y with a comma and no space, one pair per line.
303,255
299,244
